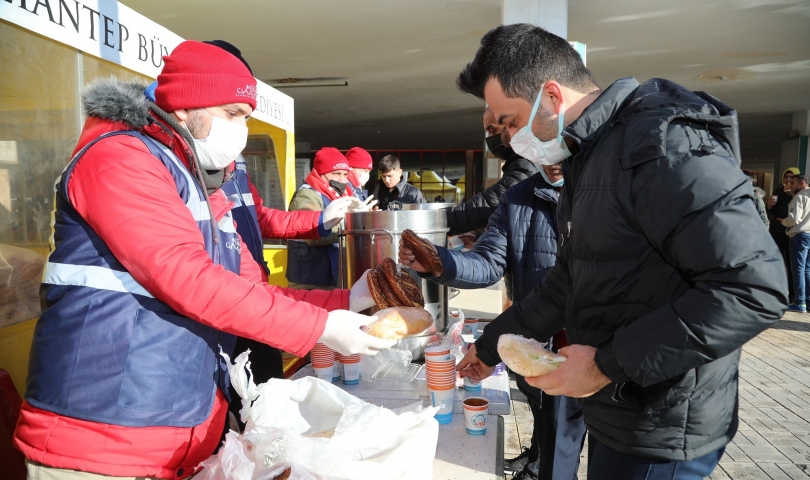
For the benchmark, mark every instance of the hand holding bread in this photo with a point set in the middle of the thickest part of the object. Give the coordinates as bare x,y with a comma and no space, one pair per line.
423,252
397,323
526,356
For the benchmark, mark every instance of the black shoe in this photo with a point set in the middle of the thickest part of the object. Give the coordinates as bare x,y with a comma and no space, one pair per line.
524,475
512,466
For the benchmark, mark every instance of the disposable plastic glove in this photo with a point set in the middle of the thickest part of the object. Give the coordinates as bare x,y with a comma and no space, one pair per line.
343,334
360,296
336,210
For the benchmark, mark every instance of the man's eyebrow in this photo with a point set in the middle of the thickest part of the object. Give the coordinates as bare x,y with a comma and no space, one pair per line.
504,117
236,107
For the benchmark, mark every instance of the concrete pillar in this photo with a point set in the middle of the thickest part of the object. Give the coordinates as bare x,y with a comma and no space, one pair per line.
795,149
801,122
552,15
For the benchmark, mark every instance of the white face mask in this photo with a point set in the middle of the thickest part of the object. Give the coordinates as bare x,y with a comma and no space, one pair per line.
364,178
525,144
224,143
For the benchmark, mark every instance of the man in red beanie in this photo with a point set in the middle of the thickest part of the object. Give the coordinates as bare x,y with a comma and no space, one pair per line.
313,264
361,166
147,282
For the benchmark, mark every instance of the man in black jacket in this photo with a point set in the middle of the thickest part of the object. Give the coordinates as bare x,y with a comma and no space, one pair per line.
663,270
474,214
392,187
778,209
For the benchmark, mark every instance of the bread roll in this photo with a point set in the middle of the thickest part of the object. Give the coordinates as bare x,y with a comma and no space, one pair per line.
399,322
526,356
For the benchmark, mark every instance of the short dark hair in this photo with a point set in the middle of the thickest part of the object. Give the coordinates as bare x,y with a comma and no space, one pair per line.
523,57
802,178
388,163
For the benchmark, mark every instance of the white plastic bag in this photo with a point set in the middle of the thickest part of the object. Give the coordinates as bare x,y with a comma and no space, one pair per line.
325,430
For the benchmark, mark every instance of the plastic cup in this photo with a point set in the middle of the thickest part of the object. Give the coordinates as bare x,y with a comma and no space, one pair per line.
336,368
324,373
438,354
470,326
350,369
443,399
475,415
471,385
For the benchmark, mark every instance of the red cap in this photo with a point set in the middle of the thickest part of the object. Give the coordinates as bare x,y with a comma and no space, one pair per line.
198,75
329,159
359,158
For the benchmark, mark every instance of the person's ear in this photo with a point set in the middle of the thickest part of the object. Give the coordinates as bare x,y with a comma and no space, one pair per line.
181,115
553,91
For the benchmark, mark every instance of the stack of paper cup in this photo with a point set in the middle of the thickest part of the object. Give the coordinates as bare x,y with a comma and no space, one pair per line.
440,371
336,367
323,359
475,415
350,369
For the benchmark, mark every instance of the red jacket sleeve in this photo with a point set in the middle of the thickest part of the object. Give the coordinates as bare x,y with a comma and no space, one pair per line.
130,200
280,224
326,299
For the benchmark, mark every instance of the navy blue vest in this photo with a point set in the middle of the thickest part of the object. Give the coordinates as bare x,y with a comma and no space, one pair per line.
244,212
313,265
105,349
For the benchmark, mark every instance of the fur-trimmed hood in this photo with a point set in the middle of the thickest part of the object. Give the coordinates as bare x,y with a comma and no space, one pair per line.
117,101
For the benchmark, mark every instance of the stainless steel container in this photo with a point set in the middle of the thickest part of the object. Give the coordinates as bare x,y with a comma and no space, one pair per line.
427,206
370,237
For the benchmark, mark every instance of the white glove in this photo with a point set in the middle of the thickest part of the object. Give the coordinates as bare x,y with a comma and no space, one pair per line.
360,296
336,210
343,334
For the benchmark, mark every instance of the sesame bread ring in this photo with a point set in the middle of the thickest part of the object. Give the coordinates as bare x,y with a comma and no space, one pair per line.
385,288
376,292
424,251
412,290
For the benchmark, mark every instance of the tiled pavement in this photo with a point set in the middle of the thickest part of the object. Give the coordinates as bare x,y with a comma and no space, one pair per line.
773,441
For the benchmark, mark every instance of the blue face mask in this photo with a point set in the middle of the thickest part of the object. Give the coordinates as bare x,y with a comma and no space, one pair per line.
558,183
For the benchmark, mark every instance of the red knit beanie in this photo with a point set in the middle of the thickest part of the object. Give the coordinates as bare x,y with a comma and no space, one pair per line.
359,158
329,159
198,75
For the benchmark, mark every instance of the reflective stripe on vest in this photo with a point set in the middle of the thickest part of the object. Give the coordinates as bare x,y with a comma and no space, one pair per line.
105,349
244,212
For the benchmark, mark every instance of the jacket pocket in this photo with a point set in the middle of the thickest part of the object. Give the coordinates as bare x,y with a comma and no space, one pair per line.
164,365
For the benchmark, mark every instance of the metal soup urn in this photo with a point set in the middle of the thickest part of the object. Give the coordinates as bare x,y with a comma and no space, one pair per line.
370,237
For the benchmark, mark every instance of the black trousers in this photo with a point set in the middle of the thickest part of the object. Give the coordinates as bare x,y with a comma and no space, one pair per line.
558,435
783,243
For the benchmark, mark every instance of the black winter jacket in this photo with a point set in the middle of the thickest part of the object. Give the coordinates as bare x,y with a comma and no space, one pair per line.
473,214
663,265
520,243
404,193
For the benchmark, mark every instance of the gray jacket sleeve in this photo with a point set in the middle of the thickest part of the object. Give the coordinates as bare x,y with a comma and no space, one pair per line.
697,211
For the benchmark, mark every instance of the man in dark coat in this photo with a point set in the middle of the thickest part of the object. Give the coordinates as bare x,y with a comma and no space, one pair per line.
778,209
520,245
663,269
473,214
392,186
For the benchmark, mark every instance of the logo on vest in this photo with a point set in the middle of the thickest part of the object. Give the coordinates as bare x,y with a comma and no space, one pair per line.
234,244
